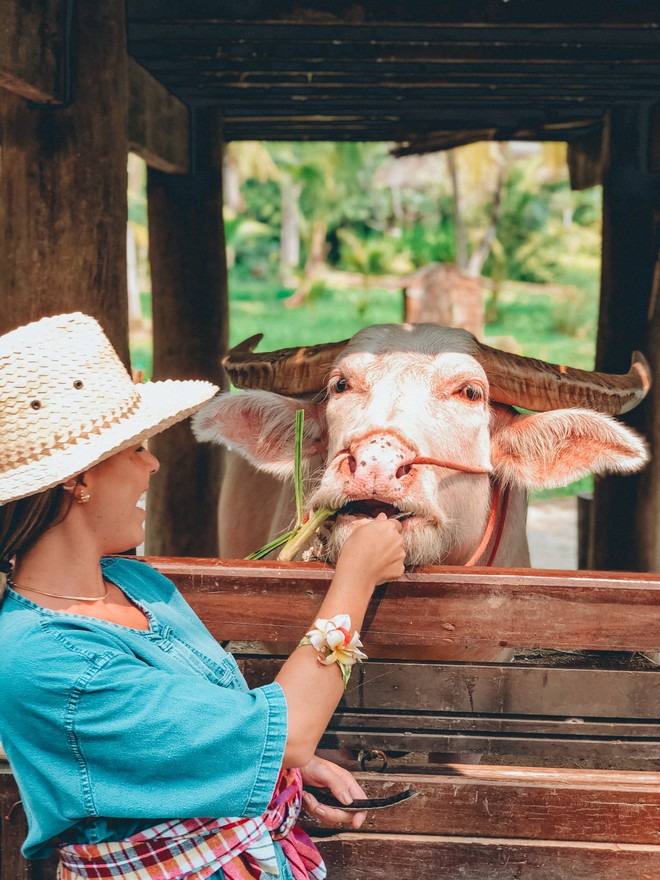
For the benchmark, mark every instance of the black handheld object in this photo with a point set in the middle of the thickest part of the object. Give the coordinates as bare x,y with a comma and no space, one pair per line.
359,804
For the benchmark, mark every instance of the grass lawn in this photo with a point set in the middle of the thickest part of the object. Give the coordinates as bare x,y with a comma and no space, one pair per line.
259,307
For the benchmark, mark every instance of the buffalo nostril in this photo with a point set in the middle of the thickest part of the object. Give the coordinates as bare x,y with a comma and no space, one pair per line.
403,470
352,464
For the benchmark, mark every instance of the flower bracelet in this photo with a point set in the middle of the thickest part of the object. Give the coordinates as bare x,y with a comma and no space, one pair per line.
336,643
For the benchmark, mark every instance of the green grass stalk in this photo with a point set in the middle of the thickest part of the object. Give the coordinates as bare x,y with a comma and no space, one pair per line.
297,473
296,539
302,535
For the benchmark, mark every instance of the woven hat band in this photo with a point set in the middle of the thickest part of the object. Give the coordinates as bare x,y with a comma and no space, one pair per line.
61,386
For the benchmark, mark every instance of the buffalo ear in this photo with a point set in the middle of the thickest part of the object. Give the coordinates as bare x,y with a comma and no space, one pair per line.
261,427
543,450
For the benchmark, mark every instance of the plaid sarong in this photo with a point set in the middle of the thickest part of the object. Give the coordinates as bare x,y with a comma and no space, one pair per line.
193,849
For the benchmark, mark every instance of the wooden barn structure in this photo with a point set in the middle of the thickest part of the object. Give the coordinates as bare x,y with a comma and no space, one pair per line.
83,83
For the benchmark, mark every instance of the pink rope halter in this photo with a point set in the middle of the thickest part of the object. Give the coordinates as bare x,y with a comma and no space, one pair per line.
492,517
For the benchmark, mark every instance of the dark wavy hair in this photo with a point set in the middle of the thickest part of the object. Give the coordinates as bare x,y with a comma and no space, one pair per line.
24,521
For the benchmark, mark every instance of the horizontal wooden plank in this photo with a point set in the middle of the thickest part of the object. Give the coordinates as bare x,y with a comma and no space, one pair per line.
506,728
430,51
419,748
376,857
519,802
408,24
431,608
396,71
274,99
489,688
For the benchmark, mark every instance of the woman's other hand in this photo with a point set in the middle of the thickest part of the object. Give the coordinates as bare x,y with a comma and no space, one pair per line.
342,785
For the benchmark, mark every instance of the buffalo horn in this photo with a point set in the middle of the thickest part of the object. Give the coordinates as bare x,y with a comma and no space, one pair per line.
540,386
292,371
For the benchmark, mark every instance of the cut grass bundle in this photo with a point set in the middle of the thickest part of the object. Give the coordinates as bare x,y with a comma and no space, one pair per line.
294,540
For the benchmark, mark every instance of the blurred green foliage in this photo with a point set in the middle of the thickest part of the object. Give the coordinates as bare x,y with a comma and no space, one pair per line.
388,217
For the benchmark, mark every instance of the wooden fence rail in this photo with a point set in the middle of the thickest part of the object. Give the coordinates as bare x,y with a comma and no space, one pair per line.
273,601
587,807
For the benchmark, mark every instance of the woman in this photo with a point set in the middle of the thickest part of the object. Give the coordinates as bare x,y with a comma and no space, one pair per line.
126,724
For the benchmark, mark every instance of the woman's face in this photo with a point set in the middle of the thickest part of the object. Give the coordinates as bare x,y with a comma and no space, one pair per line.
115,486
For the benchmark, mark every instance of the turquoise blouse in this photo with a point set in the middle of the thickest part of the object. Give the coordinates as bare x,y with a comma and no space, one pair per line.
109,729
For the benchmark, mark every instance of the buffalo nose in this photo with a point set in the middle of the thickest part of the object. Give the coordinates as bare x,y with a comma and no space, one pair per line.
379,458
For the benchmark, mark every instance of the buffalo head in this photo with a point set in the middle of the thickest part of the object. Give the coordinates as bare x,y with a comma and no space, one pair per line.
418,421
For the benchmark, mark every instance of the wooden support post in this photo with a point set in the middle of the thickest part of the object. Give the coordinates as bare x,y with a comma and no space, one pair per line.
63,187
190,316
648,511
585,159
625,527
32,48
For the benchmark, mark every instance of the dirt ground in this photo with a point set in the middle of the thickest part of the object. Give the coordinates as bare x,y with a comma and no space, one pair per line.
552,533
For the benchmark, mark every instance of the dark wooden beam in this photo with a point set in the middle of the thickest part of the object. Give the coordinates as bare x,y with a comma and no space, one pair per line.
648,499
285,47
447,140
63,208
32,46
654,138
625,523
321,76
420,102
190,320
158,123
541,17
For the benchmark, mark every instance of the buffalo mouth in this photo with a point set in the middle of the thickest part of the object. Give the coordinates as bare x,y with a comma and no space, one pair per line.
370,507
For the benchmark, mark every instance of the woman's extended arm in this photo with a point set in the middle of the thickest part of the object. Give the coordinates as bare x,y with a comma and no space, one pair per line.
372,555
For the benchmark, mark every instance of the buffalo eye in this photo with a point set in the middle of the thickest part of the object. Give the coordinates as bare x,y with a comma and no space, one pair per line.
472,392
341,385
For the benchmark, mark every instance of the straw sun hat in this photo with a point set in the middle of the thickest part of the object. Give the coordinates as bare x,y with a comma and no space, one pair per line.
67,403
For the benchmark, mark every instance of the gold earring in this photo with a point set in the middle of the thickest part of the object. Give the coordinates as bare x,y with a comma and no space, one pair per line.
79,492
82,496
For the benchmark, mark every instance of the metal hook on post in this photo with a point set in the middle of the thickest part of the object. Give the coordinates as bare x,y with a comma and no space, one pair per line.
367,755
7,818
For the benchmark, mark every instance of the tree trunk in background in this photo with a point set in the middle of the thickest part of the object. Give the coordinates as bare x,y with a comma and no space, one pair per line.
625,526
63,187
459,225
190,319
482,252
290,231
314,266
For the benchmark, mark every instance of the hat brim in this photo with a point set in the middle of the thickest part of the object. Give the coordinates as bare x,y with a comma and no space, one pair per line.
161,404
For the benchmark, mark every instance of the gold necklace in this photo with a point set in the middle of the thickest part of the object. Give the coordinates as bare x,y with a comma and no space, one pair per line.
13,585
